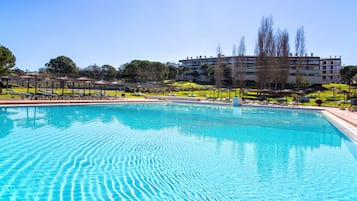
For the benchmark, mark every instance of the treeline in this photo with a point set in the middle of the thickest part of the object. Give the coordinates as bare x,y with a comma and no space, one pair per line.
272,65
136,70
144,70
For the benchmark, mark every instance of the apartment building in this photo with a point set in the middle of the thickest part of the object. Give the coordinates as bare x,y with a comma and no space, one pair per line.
307,66
330,69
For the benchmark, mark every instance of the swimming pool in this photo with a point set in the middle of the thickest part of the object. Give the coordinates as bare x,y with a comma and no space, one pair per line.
173,152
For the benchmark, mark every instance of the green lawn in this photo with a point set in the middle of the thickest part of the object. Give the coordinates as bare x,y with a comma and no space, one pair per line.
333,94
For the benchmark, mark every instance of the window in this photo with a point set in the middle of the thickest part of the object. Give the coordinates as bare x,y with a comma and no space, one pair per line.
331,77
324,77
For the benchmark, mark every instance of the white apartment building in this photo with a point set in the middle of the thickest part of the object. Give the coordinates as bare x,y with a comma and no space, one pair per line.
330,70
314,69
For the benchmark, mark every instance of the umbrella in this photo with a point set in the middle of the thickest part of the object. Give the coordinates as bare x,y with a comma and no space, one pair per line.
36,79
84,80
102,83
89,83
284,92
62,80
116,89
47,79
71,81
28,81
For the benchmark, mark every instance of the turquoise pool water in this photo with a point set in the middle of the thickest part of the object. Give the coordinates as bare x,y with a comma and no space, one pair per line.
173,152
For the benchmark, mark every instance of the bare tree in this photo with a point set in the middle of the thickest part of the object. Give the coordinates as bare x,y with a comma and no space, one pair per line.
234,51
265,51
241,64
218,72
282,67
300,42
300,51
234,67
237,65
241,48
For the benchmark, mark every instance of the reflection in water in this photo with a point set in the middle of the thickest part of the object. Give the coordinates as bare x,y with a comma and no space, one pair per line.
237,124
6,124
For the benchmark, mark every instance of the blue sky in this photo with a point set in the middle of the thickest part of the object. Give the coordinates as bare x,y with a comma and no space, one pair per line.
117,31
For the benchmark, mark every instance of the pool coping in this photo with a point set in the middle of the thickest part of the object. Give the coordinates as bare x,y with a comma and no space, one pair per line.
345,127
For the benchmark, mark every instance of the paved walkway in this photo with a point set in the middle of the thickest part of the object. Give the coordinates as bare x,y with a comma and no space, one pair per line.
350,117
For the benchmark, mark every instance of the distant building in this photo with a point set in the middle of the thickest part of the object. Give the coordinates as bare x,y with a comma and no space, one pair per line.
172,64
311,67
330,69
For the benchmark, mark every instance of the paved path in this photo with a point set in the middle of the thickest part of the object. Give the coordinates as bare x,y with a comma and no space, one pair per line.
350,117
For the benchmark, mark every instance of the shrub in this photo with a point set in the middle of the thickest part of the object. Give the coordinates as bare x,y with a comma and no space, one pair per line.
318,102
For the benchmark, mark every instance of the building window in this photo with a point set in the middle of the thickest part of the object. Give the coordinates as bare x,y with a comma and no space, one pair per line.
324,77
331,77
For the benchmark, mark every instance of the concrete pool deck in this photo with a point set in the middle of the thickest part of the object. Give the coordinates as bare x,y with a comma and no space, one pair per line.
342,119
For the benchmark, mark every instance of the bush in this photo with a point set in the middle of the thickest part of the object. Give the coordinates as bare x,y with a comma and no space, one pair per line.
318,102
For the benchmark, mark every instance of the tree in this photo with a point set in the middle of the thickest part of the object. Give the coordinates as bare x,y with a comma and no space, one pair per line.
210,72
282,60
18,71
218,72
61,65
227,73
108,72
144,70
302,82
234,53
241,48
265,51
300,42
158,71
92,71
354,79
195,74
7,60
240,75
300,51
204,68
173,71
184,70
347,73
